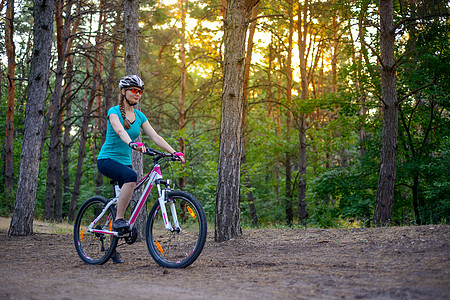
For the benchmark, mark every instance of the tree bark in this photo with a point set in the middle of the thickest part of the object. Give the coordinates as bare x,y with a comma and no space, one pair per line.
110,86
362,51
86,118
227,215
87,108
334,53
67,136
182,100
302,27
109,89
100,121
10,100
131,21
54,171
67,99
22,219
387,176
277,120
288,162
248,61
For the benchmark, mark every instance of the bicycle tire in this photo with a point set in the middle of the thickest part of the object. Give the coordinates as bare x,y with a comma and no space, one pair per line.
172,249
94,248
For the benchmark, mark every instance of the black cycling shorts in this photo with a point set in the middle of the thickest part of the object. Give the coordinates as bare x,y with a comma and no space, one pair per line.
116,171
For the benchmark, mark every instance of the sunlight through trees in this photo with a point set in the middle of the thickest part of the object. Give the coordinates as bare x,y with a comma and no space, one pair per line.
335,113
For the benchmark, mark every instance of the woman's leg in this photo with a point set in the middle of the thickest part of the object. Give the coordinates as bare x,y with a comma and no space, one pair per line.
124,198
122,174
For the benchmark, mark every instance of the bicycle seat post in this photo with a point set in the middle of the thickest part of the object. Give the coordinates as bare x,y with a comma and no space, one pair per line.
116,188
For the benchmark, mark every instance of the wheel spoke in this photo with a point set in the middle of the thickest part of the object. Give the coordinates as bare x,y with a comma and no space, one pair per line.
94,248
178,248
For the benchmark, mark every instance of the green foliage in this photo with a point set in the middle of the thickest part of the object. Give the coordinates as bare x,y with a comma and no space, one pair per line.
436,192
202,172
342,164
344,193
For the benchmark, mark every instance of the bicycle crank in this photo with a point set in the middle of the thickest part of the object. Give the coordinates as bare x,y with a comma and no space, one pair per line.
132,236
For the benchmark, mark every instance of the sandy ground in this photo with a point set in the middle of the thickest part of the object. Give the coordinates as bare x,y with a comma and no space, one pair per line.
374,263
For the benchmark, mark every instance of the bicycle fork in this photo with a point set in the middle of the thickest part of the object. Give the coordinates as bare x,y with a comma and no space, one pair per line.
162,205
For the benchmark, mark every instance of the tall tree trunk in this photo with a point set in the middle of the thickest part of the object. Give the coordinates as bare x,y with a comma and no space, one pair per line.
110,85
248,60
334,53
160,87
87,108
301,204
182,100
54,152
278,134
363,111
227,215
276,116
109,89
386,180
288,162
10,101
67,136
100,125
67,100
302,35
131,21
86,119
22,219
289,191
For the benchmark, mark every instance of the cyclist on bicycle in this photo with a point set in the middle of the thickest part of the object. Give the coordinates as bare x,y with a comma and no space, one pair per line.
124,124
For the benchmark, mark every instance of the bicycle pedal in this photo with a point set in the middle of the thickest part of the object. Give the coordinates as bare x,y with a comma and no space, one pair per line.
123,231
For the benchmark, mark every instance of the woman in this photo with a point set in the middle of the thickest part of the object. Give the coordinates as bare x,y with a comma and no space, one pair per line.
124,125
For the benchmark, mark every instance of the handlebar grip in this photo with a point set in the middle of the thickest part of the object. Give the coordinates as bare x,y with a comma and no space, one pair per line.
177,155
136,145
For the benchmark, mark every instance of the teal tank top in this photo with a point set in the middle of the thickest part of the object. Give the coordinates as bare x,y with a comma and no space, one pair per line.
114,148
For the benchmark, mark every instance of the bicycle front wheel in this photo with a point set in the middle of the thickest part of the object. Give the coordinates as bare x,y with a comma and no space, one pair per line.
180,247
94,248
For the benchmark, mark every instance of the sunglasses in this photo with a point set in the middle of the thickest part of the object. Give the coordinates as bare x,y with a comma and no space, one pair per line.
135,91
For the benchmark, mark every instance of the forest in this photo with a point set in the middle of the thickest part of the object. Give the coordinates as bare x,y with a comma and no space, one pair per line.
331,98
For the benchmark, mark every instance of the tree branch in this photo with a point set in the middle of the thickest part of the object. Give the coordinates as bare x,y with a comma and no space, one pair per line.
196,58
373,51
405,20
265,16
381,98
413,92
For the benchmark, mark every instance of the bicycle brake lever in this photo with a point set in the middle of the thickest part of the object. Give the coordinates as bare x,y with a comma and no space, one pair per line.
175,158
150,152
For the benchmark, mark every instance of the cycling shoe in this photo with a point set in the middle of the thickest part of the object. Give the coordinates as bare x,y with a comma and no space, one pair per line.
121,226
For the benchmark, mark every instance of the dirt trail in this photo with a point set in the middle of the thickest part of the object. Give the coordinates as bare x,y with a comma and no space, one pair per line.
375,263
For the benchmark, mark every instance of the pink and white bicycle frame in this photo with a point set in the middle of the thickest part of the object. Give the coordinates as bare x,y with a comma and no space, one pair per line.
152,178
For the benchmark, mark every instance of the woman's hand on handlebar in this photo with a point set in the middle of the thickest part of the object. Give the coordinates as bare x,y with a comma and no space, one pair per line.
138,146
179,155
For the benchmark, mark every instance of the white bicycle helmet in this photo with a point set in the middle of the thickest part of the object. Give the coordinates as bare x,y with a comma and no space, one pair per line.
131,81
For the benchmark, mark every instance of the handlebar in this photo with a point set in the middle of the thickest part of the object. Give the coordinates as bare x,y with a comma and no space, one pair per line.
159,155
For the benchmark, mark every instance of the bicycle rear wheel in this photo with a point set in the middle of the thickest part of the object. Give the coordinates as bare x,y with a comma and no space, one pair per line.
94,248
177,249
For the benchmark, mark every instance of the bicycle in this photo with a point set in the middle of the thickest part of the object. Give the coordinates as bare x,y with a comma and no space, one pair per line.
174,242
